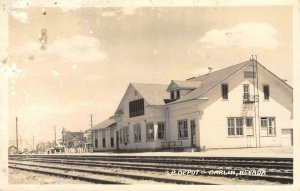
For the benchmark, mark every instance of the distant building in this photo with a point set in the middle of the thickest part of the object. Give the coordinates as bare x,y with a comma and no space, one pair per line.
73,139
88,140
43,146
12,150
244,105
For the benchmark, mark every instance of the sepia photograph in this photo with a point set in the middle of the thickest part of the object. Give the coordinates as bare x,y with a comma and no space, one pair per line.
158,94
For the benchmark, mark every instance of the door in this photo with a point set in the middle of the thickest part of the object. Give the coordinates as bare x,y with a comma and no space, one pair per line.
193,133
117,136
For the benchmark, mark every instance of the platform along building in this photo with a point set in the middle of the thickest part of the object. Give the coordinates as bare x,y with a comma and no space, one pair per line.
244,105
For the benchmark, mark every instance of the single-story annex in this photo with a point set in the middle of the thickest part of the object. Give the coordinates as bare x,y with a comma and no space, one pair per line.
244,105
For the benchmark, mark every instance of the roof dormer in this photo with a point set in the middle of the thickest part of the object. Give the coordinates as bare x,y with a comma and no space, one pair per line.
177,89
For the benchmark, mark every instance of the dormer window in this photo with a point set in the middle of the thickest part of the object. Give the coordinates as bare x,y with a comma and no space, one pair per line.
172,95
178,89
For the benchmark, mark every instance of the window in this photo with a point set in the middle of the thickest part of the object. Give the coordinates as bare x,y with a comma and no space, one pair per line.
136,108
172,95
264,122
246,92
225,91
96,143
149,132
121,135
161,130
103,139
249,74
182,129
112,137
103,143
111,142
239,126
137,132
231,126
269,124
126,134
235,126
249,122
266,92
178,94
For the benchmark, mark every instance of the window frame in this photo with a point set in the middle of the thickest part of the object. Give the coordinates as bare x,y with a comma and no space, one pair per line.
269,126
148,139
126,138
246,122
225,96
177,94
161,132
121,135
96,142
233,130
172,95
246,94
136,108
137,128
239,127
230,127
266,94
183,131
103,142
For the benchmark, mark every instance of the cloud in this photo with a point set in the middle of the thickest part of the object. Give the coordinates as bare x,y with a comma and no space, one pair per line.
20,4
67,5
108,14
77,49
60,58
129,10
54,73
20,16
243,35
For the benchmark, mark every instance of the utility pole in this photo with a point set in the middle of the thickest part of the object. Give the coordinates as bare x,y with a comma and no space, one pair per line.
17,140
258,116
54,136
33,142
91,120
20,141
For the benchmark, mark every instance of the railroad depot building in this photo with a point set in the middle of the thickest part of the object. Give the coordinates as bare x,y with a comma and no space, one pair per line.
244,105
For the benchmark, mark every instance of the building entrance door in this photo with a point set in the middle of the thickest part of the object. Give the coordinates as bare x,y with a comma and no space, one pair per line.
117,135
193,133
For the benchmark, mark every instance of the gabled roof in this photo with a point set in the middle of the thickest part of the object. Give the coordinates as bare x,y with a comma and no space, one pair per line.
106,123
211,80
12,147
154,94
189,84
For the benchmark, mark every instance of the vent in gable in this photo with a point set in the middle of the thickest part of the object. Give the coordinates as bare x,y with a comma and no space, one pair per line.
249,74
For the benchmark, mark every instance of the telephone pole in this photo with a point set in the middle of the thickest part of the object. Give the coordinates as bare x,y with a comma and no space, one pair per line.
33,142
17,140
91,120
54,136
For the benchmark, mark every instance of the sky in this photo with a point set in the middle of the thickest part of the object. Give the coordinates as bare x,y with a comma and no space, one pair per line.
66,64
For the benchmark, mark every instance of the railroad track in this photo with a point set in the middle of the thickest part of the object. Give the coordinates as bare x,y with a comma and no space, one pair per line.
276,169
102,176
